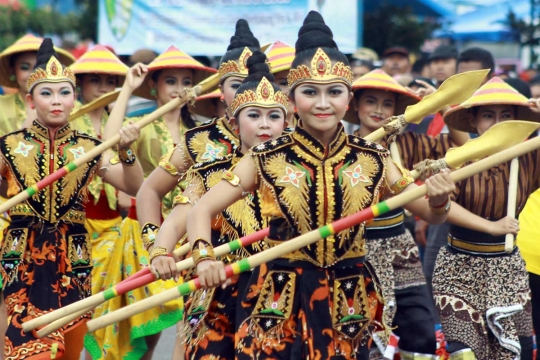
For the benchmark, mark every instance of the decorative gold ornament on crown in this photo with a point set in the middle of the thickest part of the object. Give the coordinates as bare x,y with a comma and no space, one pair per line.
264,96
235,68
54,72
321,71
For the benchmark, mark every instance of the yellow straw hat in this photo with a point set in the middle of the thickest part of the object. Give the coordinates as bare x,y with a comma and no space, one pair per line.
280,56
27,43
205,104
173,58
494,92
99,60
379,80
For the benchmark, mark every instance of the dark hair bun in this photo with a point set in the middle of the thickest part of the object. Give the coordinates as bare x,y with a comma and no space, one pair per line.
258,68
46,50
243,37
314,33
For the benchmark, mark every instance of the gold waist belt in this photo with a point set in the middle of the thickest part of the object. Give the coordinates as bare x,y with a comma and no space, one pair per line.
477,248
385,222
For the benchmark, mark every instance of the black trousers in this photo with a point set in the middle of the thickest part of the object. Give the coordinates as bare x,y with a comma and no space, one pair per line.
414,320
534,282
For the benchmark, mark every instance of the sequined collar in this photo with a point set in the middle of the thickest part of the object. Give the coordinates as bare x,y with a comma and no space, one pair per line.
315,147
43,131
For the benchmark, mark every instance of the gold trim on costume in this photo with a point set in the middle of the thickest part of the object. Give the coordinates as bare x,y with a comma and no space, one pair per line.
321,71
74,216
265,96
53,73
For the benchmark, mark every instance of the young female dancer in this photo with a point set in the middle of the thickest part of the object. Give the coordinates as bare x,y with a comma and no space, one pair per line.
482,293
321,301
259,110
45,258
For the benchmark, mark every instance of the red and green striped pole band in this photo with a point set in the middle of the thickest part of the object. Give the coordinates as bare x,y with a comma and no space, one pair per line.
55,176
233,246
248,240
123,287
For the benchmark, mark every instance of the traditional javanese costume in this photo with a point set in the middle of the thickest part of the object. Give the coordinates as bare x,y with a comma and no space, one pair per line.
212,318
392,249
45,258
12,106
324,300
481,292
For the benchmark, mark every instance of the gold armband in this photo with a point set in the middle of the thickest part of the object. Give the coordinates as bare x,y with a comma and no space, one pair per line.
400,185
182,199
202,250
127,156
149,233
234,180
169,167
157,251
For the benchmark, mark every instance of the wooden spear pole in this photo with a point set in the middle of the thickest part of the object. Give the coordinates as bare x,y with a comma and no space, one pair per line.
62,316
313,236
512,198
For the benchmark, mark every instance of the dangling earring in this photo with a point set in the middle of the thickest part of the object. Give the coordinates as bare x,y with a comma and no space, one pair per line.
78,89
153,92
12,77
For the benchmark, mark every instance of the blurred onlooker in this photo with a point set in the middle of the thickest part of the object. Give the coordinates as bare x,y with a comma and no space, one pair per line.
421,68
442,63
396,61
362,62
476,59
420,82
361,67
534,84
521,86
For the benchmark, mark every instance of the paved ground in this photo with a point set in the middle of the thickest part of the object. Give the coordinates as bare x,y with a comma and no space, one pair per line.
165,346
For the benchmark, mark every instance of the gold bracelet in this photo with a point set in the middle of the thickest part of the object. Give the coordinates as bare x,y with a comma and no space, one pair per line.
127,156
442,209
149,234
157,251
202,250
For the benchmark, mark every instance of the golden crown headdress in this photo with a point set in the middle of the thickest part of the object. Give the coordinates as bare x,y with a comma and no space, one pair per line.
235,67
265,96
321,71
54,72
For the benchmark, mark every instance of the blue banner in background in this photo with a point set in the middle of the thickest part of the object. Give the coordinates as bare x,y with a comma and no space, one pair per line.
204,27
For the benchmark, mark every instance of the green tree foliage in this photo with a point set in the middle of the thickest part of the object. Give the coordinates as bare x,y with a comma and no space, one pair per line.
392,25
14,23
526,33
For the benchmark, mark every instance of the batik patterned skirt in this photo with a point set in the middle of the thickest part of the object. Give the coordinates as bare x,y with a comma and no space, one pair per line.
484,302
309,312
44,267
